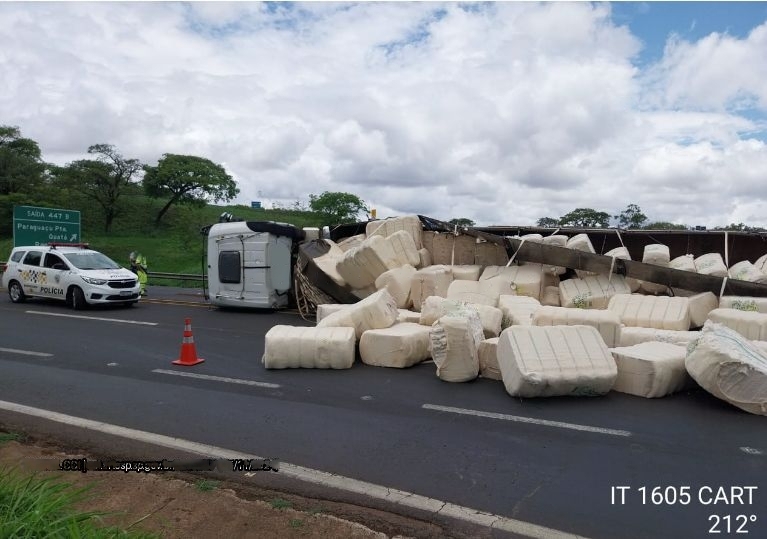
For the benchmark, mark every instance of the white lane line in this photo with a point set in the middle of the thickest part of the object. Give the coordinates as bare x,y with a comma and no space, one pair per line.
94,318
752,451
531,420
217,378
308,475
25,352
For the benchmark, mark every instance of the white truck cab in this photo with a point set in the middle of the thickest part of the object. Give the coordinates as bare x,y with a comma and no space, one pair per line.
73,273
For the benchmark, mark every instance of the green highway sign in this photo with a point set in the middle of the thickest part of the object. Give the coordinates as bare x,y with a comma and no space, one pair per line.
41,226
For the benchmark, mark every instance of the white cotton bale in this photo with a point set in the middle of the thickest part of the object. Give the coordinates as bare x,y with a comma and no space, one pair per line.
326,309
729,367
581,242
349,243
362,293
517,310
398,282
761,263
482,292
289,347
751,325
406,223
711,264
555,360
592,292
635,335
551,296
683,263
623,254
700,305
488,359
435,308
424,258
430,281
404,247
520,280
408,316
455,342
401,345
351,270
651,369
328,263
746,271
656,254
607,323
468,272
487,253
744,303
556,240
376,311
660,312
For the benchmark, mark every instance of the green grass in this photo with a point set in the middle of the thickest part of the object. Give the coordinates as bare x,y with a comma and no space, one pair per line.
296,523
10,437
32,507
279,503
206,485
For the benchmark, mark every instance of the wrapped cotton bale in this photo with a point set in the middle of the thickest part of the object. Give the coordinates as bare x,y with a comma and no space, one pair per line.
651,369
593,292
455,342
555,360
744,303
558,240
401,345
362,293
488,359
623,254
656,254
404,247
700,305
408,316
487,253
746,271
424,258
517,310
683,263
410,224
761,264
376,311
430,281
633,335
427,237
581,242
362,265
660,312
469,272
289,347
351,270
550,296
453,250
435,308
607,323
398,282
349,243
326,309
520,280
711,264
328,262
729,367
751,325
481,292
548,279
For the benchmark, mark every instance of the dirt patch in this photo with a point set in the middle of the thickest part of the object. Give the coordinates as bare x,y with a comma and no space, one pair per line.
185,505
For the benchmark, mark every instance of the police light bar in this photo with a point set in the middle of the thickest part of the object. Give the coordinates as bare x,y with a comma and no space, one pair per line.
81,245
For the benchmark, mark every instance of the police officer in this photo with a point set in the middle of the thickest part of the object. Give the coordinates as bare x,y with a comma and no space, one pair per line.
139,267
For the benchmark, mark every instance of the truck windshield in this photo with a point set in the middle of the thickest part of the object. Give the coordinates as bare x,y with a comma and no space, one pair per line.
91,261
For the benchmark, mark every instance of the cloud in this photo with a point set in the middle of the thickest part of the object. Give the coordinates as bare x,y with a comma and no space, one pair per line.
499,112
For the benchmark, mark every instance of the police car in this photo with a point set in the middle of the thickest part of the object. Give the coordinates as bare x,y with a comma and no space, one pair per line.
73,273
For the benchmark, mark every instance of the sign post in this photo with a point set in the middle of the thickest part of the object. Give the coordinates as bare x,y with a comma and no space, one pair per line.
40,226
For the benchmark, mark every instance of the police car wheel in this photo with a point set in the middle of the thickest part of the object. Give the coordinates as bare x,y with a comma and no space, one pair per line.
78,299
16,293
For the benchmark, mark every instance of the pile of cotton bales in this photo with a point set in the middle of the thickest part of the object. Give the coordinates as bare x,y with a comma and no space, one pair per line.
458,301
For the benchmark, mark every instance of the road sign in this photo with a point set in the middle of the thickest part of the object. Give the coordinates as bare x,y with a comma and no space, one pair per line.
40,226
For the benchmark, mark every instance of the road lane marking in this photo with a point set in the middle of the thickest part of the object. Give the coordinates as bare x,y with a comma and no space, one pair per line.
25,352
752,451
309,475
531,420
94,318
217,378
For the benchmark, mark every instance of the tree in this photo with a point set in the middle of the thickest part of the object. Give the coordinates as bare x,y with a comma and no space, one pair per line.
337,208
632,217
21,168
103,179
740,227
462,221
663,225
585,217
548,222
187,179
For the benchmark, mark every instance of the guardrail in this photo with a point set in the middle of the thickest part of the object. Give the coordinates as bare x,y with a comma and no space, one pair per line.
157,275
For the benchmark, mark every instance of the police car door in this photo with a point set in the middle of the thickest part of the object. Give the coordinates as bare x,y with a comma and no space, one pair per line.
31,277
54,269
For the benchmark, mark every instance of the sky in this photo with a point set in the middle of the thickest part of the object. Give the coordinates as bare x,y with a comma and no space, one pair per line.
497,112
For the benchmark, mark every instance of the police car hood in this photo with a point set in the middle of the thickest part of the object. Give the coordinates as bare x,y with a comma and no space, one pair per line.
121,273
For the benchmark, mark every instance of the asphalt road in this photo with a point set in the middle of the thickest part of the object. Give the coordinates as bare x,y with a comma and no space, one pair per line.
385,425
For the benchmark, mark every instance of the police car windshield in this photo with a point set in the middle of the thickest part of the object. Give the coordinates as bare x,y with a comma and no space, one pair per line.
91,261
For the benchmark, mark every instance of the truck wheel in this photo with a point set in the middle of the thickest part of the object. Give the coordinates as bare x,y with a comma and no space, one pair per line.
16,293
78,299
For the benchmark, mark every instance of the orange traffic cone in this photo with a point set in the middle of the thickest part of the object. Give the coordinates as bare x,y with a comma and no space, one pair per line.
188,350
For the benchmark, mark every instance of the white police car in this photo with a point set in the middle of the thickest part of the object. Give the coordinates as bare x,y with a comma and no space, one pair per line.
75,274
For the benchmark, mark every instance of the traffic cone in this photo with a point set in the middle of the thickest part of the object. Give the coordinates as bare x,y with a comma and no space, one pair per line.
188,350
